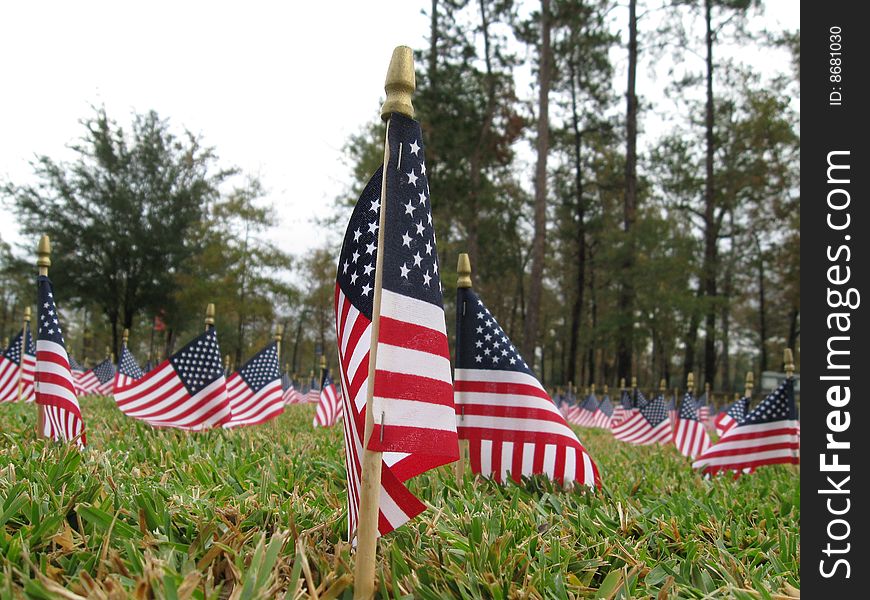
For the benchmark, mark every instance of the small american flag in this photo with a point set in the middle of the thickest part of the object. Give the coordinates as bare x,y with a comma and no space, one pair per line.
254,391
690,435
186,391
55,392
622,408
413,413
768,435
15,367
329,407
290,395
603,414
128,369
313,394
703,403
98,380
730,416
511,424
78,371
649,424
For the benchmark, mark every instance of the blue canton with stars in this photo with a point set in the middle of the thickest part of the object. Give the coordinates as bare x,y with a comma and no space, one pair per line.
778,406
606,406
105,371
262,369
591,403
199,364
737,410
639,399
48,328
75,365
655,411
327,380
359,252
13,352
481,342
625,400
128,365
689,408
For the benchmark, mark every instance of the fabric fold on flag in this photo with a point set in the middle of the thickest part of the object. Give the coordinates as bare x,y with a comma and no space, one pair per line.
730,416
413,413
512,426
99,380
128,369
186,391
648,424
768,435
690,434
290,395
329,409
55,391
254,392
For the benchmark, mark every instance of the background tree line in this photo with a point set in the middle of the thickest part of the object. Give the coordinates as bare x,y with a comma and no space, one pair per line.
601,257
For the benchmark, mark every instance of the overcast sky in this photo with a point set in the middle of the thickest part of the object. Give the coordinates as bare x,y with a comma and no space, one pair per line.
275,87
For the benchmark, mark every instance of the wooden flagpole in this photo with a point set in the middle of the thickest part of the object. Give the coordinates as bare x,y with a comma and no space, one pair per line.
279,333
463,269
400,84
43,262
23,348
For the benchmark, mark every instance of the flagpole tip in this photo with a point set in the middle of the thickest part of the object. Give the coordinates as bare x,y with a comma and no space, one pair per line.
750,383
622,383
663,385
606,388
27,314
209,315
43,255
788,359
463,268
125,336
279,333
400,83
634,382
690,382
592,388
322,361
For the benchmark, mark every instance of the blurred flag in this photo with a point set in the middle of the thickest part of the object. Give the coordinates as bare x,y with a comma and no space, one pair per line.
55,392
690,434
128,369
603,414
622,408
98,380
413,413
768,435
254,391
290,395
313,394
512,426
329,407
78,371
647,425
703,403
16,367
730,416
186,391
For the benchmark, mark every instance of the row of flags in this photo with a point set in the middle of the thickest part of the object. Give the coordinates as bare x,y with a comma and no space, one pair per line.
747,439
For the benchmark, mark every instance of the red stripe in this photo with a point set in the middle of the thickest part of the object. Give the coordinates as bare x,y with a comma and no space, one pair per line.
752,464
513,412
401,386
413,337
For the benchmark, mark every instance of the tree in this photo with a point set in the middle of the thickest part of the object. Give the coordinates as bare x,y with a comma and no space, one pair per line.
121,213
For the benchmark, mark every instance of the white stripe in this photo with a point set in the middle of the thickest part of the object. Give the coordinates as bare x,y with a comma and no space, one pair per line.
396,359
507,459
410,310
737,460
498,399
411,413
528,458
570,464
550,460
497,377
486,458
588,470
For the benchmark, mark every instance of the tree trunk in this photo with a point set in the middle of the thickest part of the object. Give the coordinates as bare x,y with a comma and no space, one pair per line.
625,330
240,330
762,310
580,215
536,281
793,330
711,233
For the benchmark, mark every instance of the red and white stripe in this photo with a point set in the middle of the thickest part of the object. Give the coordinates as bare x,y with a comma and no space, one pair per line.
12,373
515,430
397,505
747,447
619,415
292,396
55,393
601,420
252,408
637,430
691,437
87,383
329,408
313,396
122,380
723,422
161,399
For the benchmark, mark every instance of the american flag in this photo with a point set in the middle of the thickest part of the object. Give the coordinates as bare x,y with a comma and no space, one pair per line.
254,392
690,435
55,392
768,435
582,415
186,391
730,416
512,427
16,367
413,413
78,371
622,408
603,414
98,380
329,407
649,424
290,395
639,400
703,403
128,369
313,394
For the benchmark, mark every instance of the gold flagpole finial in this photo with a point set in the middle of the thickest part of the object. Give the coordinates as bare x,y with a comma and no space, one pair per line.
690,383
400,83
209,316
43,255
108,351
592,388
622,383
634,382
463,269
125,337
605,389
322,362
5,342
27,314
788,359
750,383
227,362
663,385
279,333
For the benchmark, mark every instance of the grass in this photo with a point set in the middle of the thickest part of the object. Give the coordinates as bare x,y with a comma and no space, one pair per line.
260,513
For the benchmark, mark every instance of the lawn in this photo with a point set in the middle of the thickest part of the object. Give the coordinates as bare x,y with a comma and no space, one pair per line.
260,513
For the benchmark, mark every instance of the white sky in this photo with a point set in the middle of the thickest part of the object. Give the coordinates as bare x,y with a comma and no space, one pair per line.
275,87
